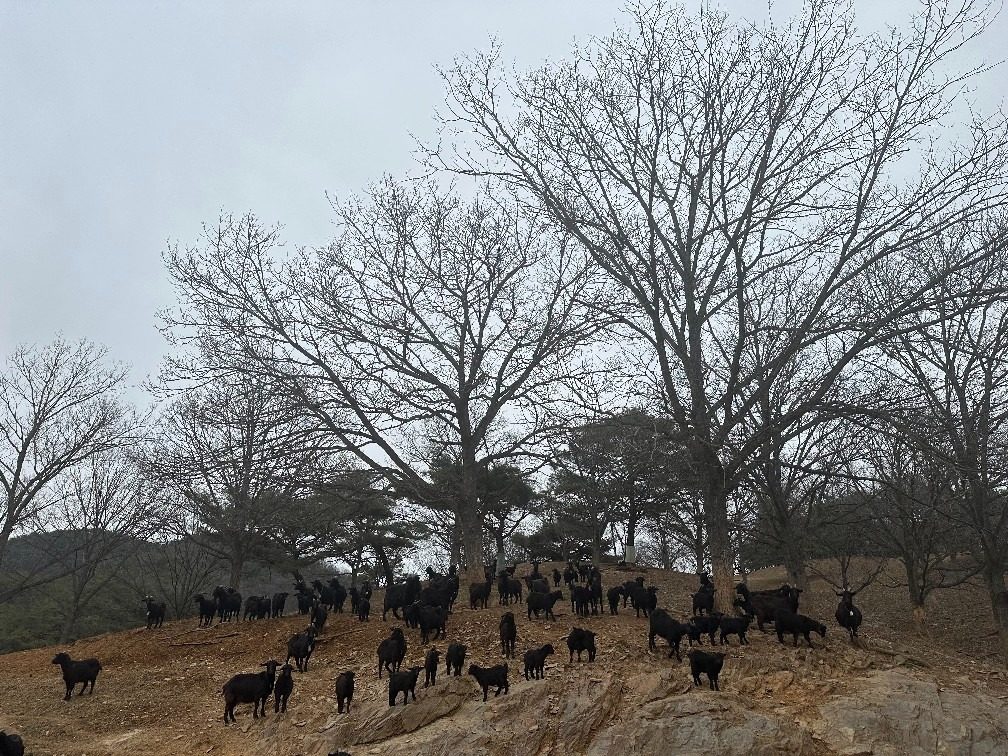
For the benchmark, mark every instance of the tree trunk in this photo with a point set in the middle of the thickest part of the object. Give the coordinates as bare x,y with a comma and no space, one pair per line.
596,547
455,558
999,606
718,537
500,563
630,549
236,569
794,562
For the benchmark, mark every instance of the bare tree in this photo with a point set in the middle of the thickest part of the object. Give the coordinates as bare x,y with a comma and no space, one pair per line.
102,519
740,184
59,407
235,455
913,516
428,323
955,365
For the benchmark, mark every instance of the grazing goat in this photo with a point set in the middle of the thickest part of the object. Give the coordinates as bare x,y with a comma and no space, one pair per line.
581,640
431,661
207,609
508,634
701,662
848,616
542,602
278,604
282,688
403,682
155,612
764,604
735,626
392,651
11,745
254,688
707,625
661,624
455,658
786,621
300,648
84,672
491,676
535,661
479,593
344,691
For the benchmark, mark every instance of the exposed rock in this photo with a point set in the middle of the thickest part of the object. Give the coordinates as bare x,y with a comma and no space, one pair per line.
894,712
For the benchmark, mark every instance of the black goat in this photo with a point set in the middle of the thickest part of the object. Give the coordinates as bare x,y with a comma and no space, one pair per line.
155,612
557,577
431,619
630,586
319,615
363,609
431,661
84,672
703,601
701,662
786,621
848,616
579,640
735,626
479,593
11,745
354,599
542,602
570,576
229,603
392,651
508,589
661,624
763,605
305,601
278,604
344,691
254,688
508,634
455,658
400,595
535,661
645,599
580,600
300,648
491,676
613,594
282,688
257,607
707,625
403,682
207,609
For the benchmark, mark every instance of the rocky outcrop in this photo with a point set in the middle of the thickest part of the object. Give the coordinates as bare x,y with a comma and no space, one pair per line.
655,714
893,712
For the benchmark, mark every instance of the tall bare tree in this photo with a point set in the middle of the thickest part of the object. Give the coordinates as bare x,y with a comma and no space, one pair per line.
235,454
429,323
741,184
103,516
60,405
955,363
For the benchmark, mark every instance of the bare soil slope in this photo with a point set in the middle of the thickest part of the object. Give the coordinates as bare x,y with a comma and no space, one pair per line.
898,691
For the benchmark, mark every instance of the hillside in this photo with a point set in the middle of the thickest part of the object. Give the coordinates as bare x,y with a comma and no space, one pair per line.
899,692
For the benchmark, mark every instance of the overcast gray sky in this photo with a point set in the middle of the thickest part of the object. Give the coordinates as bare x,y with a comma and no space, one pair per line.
124,125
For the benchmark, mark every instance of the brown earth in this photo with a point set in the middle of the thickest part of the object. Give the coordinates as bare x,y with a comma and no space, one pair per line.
898,691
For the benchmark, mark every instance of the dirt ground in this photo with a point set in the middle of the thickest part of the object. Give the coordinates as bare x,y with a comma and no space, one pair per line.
159,691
